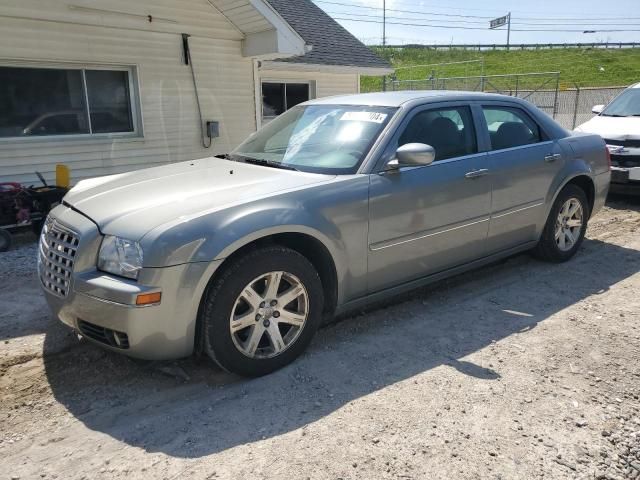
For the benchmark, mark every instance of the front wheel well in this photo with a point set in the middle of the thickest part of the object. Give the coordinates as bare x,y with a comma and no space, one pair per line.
310,247
586,185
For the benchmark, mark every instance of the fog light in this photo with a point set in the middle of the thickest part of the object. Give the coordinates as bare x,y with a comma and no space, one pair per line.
148,298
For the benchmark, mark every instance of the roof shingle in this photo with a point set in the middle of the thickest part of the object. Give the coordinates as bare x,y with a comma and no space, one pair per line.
331,43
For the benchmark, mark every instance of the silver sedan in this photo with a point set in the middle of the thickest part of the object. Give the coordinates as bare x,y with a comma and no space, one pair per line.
334,204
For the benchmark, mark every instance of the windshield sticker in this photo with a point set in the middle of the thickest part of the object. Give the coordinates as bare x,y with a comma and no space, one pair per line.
374,117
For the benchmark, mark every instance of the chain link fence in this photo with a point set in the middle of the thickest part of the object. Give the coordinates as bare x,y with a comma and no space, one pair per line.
569,106
575,104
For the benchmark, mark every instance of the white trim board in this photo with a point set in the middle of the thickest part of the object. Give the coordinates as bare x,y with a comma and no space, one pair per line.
312,67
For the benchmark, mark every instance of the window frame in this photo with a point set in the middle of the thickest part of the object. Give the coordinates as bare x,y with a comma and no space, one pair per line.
390,148
309,83
484,127
134,102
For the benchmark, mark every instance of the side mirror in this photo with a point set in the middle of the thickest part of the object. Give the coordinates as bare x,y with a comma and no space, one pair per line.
597,109
413,154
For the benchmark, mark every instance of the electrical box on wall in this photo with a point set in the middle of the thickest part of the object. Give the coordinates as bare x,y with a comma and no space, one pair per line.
213,129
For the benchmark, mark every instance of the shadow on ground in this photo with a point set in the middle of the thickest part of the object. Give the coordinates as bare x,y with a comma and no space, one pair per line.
24,313
438,326
624,202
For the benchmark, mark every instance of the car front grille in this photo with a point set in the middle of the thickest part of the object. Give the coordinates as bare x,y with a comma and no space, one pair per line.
58,246
626,161
104,335
623,143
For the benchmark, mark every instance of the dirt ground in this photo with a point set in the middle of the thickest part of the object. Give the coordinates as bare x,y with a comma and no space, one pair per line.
521,370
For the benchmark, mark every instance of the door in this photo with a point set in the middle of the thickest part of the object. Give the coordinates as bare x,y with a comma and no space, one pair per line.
523,163
426,219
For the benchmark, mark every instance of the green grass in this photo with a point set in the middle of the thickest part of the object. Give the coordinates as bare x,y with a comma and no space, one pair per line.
586,67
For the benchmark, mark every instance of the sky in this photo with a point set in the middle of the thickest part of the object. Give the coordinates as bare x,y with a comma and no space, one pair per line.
363,18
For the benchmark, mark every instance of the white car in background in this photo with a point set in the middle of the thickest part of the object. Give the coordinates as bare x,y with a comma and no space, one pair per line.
619,124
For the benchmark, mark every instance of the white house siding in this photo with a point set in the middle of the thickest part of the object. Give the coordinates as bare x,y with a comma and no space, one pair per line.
48,32
90,33
326,83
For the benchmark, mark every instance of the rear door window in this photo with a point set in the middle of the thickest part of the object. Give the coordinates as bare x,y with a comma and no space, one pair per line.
510,127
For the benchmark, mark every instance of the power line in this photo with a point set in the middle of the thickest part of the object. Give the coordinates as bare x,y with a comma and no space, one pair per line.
475,22
404,18
411,4
448,7
351,5
401,11
451,27
577,22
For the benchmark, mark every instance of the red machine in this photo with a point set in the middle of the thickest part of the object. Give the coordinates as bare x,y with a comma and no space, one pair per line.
25,207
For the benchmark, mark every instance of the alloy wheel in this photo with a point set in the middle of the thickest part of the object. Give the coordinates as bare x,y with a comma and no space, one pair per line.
569,224
269,315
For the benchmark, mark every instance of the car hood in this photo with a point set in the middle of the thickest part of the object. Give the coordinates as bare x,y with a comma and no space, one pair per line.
131,204
613,128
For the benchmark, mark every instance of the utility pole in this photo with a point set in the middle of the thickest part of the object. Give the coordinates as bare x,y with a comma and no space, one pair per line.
384,38
384,23
508,29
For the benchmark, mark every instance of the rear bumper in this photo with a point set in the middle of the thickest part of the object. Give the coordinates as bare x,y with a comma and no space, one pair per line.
602,184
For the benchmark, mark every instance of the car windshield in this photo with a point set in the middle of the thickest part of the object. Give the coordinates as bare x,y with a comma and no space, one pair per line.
332,139
627,104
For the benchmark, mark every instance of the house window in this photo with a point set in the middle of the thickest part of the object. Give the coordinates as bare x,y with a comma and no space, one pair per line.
37,102
278,97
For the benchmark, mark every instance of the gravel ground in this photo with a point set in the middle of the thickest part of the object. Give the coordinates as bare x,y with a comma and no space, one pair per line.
518,370
20,260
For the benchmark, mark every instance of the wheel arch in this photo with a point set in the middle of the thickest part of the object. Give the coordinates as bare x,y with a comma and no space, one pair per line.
583,179
585,183
305,243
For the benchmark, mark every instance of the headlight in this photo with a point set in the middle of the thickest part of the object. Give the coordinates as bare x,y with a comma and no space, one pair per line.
120,256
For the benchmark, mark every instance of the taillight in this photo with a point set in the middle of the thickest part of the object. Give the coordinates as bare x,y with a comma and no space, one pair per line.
608,157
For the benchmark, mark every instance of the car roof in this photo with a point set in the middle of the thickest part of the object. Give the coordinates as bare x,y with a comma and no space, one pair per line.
396,99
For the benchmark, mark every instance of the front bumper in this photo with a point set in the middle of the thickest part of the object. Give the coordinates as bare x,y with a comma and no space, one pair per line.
625,181
162,331
102,307
625,168
625,175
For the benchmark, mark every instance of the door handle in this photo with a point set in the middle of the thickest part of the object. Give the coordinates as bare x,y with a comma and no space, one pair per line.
477,173
552,157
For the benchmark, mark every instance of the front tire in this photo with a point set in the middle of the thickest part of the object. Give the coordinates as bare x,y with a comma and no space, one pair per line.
261,313
566,226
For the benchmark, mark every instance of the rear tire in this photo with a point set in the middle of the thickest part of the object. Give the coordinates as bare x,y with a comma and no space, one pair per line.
261,313
566,226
